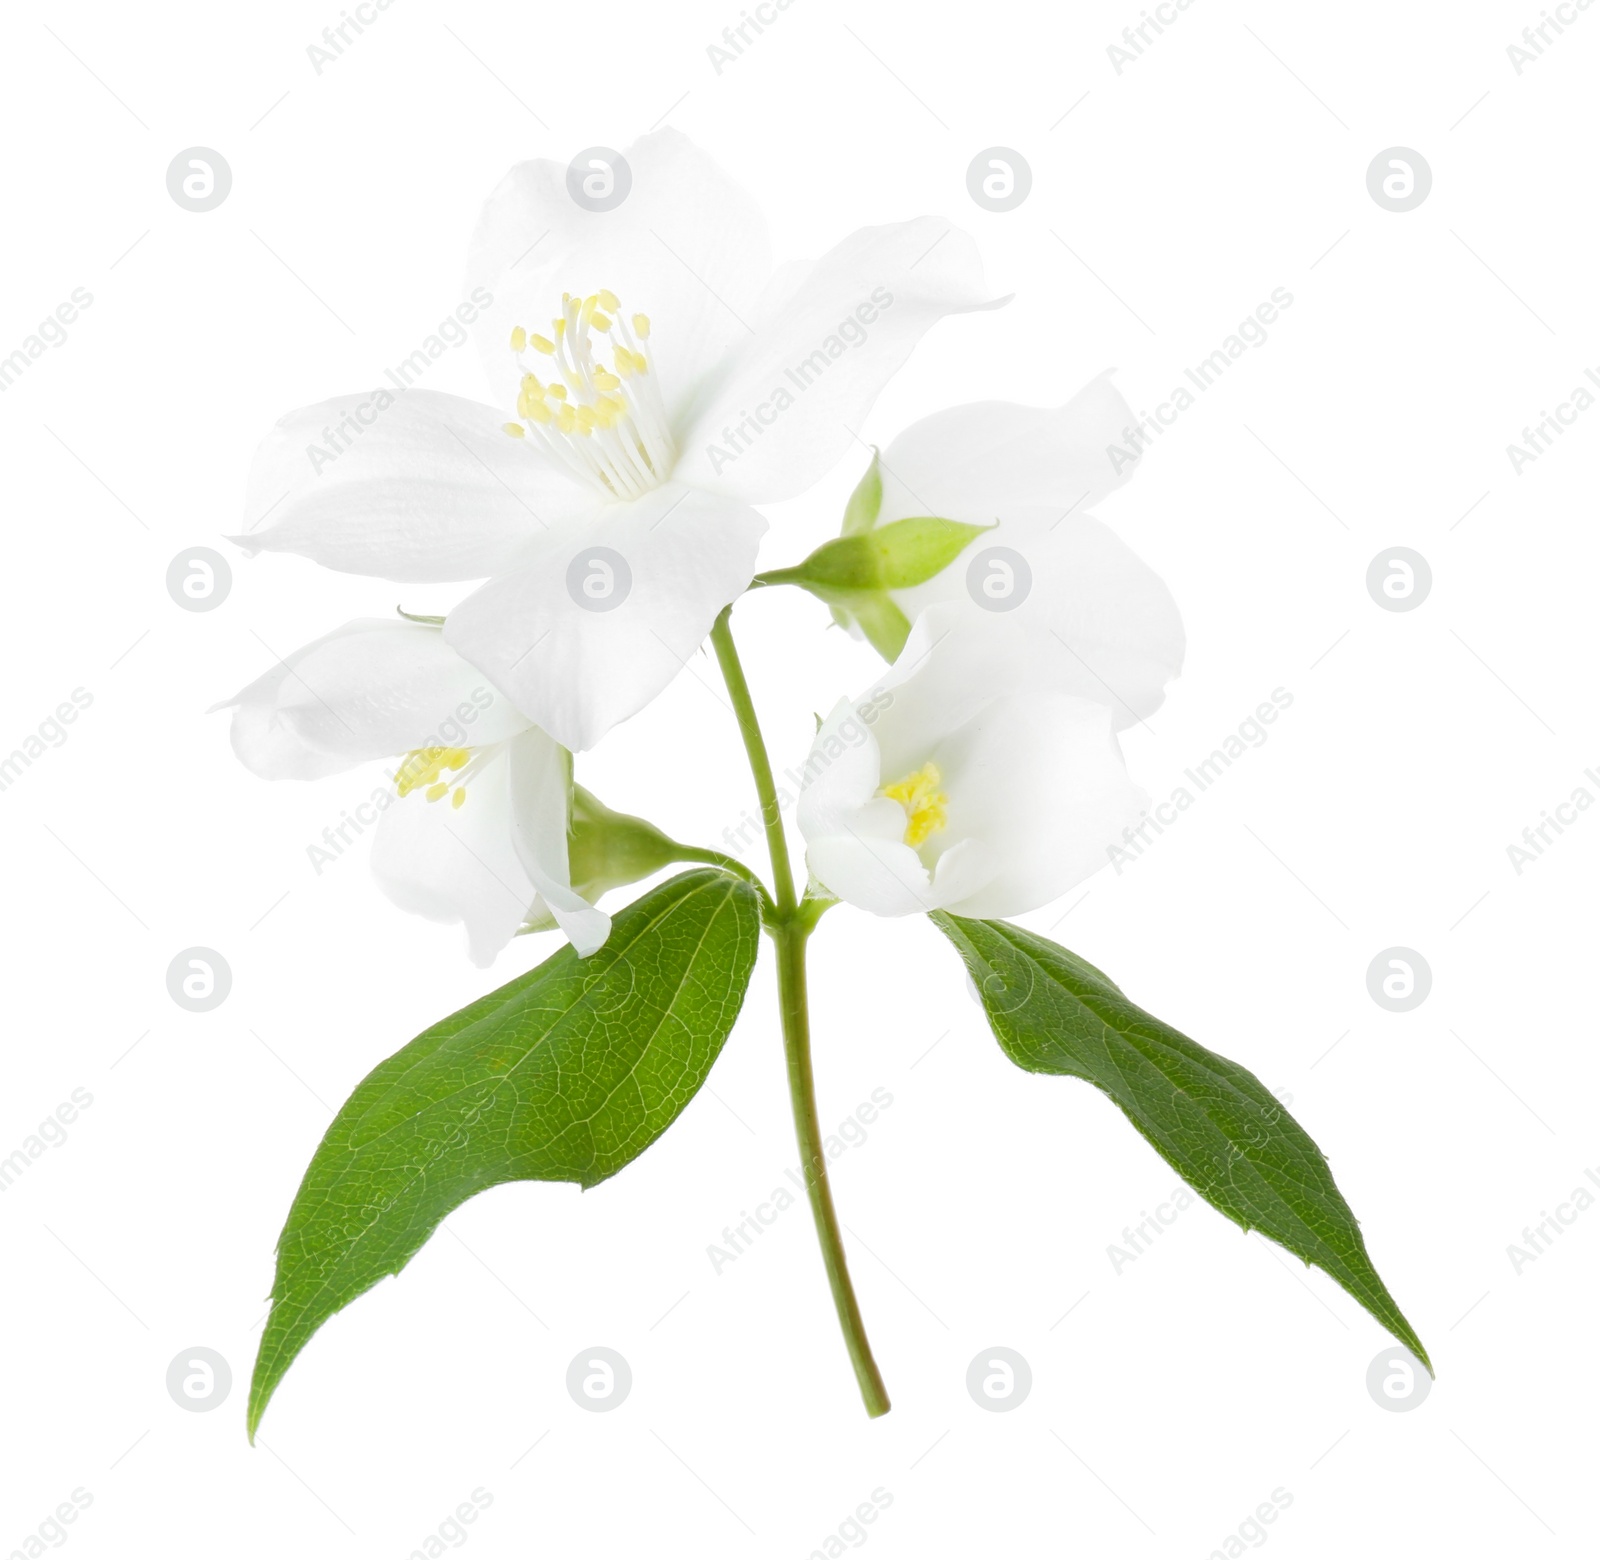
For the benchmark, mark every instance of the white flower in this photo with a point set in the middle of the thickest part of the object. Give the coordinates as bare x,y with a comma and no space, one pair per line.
964,780
1111,627
476,830
653,379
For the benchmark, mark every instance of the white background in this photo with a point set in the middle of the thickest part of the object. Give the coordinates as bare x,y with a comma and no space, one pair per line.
1168,201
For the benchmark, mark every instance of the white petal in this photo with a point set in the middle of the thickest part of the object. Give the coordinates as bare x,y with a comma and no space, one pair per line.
1039,780
841,777
375,688
687,247
539,779
889,879
1101,622
983,462
785,406
592,624
426,487
458,864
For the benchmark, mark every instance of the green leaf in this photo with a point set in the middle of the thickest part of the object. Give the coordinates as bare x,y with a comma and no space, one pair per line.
1209,1118
861,513
567,1073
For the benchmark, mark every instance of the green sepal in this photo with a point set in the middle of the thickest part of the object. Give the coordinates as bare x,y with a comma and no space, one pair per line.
891,557
861,513
882,623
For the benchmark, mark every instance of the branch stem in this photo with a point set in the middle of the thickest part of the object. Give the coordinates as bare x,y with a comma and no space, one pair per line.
790,927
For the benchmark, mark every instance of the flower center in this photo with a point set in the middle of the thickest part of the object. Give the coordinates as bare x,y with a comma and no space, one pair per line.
436,771
607,424
923,801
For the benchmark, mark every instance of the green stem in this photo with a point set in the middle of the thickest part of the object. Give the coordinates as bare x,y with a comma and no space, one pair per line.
791,926
760,766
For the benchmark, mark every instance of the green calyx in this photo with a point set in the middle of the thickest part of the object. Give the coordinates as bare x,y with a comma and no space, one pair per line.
855,572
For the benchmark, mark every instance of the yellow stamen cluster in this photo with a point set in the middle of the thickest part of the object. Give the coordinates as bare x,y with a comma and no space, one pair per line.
923,801
607,423
427,768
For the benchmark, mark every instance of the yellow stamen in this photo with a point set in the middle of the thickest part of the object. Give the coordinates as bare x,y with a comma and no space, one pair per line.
635,450
923,801
516,430
424,767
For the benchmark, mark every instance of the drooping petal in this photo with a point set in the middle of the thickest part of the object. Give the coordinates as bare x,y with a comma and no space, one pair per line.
784,407
458,863
592,624
406,485
984,462
540,776
1101,621
686,247
375,688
